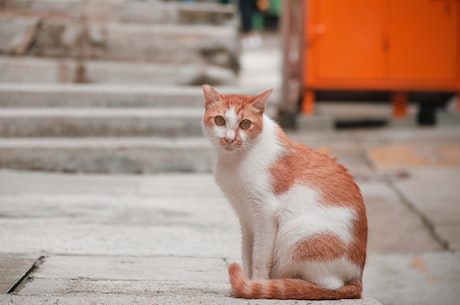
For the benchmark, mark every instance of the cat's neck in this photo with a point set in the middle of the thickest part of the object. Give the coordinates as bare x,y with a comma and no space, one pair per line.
262,150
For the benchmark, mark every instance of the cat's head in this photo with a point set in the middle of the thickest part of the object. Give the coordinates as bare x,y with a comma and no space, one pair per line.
233,122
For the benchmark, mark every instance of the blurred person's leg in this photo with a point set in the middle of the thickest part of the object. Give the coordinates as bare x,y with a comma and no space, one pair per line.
250,39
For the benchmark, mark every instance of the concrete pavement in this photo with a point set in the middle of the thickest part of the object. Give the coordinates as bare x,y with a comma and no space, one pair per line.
167,239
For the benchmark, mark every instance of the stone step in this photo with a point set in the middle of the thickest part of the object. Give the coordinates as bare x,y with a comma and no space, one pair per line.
100,122
35,95
98,95
156,12
108,155
161,43
46,70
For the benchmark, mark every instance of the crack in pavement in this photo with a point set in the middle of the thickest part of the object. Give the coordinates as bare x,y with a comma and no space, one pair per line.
425,220
27,274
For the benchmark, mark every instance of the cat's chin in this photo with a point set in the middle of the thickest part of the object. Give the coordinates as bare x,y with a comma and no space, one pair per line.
229,148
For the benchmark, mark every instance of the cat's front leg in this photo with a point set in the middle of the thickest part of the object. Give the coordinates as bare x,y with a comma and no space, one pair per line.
264,239
247,249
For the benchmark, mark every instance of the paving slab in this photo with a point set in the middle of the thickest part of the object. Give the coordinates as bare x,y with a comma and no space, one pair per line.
428,278
384,209
12,270
190,297
441,208
205,280
412,279
400,155
148,218
121,225
158,269
167,240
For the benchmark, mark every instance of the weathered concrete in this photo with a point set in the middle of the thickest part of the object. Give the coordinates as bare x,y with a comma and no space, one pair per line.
416,154
126,11
428,278
64,71
176,297
315,123
16,95
166,239
108,155
137,239
441,208
384,205
97,122
12,270
186,154
178,44
17,34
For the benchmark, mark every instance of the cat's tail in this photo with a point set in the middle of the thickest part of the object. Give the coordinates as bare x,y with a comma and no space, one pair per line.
284,289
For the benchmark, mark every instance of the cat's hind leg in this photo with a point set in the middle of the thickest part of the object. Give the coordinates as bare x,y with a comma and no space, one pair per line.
332,274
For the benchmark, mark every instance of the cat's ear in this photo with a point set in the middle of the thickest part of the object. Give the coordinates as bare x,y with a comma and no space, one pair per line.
210,96
259,101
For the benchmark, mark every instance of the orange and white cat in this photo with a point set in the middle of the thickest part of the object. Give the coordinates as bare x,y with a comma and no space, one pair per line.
303,220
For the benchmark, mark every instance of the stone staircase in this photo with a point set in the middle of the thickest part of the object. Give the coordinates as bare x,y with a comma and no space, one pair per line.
108,86
102,129
86,41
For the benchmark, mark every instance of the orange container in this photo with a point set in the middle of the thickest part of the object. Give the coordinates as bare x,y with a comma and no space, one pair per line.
399,46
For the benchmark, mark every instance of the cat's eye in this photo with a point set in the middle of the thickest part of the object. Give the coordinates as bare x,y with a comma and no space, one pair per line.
219,120
245,124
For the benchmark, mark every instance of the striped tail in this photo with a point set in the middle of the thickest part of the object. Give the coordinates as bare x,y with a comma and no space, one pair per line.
284,289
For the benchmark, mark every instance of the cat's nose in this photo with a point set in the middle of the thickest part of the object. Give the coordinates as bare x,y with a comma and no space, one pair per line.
230,137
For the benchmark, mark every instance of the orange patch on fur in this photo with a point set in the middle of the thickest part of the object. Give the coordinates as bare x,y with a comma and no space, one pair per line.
287,288
302,165
321,247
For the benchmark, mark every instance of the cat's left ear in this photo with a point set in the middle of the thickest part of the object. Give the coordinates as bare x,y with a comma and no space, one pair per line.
259,101
210,95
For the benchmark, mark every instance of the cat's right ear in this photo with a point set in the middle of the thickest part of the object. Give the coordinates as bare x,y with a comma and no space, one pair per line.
210,96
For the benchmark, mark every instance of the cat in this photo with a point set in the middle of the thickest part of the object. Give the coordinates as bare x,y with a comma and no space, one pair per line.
302,217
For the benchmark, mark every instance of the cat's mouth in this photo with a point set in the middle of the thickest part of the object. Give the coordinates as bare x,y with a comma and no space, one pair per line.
230,147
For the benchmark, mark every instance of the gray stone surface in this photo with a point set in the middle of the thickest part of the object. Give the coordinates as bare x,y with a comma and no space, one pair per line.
16,95
165,239
441,207
158,12
17,34
107,155
384,206
315,123
170,237
91,122
182,298
428,278
13,269
54,37
64,71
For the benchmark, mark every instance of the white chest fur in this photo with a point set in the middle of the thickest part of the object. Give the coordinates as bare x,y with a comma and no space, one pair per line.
244,176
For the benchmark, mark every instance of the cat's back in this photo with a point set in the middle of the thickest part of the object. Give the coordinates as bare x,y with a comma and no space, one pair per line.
317,191
301,165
